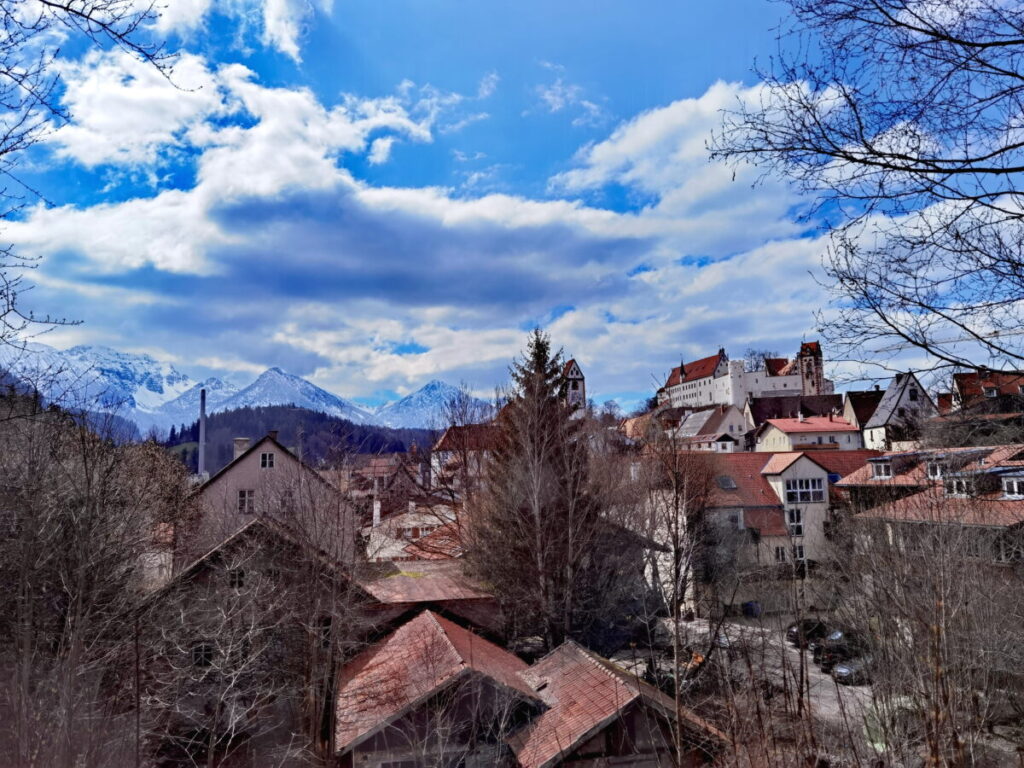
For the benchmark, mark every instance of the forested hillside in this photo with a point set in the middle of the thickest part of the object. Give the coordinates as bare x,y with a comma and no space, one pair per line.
321,438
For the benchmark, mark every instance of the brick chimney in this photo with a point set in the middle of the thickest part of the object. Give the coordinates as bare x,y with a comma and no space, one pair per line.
241,445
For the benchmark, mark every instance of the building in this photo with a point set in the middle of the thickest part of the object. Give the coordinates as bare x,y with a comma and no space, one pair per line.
717,380
860,406
972,388
719,428
897,420
576,385
808,433
266,480
435,693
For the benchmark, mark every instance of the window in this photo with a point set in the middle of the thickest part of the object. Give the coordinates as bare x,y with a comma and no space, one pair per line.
882,469
804,490
575,385
266,460
991,392
247,501
780,554
798,552
958,487
202,654
1013,486
795,519
934,470
236,578
913,393
901,412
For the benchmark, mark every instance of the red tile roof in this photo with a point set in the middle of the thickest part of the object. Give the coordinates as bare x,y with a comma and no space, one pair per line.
775,365
585,693
780,462
745,470
698,369
568,366
442,543
909,468
933,506
843,463
944,402
813,424
471,437
424,582
972,385
416,661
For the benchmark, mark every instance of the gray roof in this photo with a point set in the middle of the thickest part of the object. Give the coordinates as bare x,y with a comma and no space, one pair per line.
886,412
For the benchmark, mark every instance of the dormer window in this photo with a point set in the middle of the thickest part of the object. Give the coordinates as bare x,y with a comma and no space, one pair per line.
991,392
934,470
1013,486
882,469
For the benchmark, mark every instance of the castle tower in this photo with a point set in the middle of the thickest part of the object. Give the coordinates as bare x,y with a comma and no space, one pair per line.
576,385
812,369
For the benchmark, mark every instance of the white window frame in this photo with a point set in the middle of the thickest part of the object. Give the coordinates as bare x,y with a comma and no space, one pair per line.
1013,487
246,501
795,521
799,554
805,490
881,469
780,555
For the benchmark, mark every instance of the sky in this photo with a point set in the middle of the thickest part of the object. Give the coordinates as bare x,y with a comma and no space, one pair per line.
374,194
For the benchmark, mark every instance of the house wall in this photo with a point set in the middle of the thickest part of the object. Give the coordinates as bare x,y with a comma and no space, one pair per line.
774,439
288,492
813,514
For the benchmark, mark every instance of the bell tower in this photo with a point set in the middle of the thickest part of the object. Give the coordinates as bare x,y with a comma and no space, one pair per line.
576,385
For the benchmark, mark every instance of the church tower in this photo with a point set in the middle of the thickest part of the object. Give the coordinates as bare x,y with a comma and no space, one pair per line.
812,369
576,385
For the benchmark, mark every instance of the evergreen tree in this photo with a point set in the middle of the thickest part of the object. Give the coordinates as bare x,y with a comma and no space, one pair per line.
534,530
172,438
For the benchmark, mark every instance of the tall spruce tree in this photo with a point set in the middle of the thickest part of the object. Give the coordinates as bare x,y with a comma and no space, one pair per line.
535,523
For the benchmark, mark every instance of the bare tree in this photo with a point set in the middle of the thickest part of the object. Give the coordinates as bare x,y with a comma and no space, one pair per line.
85,523
901,117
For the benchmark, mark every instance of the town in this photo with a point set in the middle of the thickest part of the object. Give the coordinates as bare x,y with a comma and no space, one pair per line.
576,384
751,563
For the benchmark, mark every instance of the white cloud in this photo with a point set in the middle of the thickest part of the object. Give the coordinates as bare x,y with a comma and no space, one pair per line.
488,85
380,150
459,276
564,95
125,112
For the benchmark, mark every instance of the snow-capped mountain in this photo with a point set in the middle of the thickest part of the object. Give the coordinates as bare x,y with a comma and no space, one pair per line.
95,378
428,407
184,409
155,395
275,387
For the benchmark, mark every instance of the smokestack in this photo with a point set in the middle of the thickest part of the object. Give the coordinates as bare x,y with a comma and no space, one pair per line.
202,432
376,512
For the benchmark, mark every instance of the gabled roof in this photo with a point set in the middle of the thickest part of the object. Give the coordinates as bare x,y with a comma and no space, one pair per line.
584,694
416,661
431,581
813,424
698,369
469,437
789,406
887,411
256,445
703,421
864,404
567,368
774,366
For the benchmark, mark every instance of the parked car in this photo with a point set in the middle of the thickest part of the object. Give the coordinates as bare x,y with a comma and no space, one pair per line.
801,633
855,671
841,645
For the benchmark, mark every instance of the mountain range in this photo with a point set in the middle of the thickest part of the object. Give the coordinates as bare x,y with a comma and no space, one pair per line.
155,395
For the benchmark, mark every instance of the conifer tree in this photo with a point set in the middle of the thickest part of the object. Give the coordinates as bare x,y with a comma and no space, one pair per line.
534,531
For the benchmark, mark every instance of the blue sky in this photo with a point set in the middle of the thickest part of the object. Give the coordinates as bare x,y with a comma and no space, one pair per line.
374,194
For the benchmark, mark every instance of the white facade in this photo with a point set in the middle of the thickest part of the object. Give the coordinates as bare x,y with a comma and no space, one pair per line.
730,384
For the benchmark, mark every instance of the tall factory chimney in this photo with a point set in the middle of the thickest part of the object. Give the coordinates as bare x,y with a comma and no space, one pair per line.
202,433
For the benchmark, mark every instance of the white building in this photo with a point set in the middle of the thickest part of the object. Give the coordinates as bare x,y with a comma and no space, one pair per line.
717,380
894,424
808,433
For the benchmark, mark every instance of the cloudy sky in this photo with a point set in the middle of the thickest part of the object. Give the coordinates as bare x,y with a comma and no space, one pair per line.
372,194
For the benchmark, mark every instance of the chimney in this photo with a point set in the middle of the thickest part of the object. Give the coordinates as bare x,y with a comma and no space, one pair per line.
201,468
412,506
878,387
272,434
800,416
376,512
241,446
